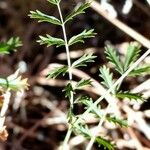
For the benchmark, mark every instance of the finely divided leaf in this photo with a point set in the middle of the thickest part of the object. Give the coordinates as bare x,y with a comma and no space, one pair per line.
49,40
132,54
83,83
88,102
80,9
80,37
86,58
10,45
68,89
122,123
129,95
82,129
57,71
107,77
55,2
44,18
114,58
105,143
140,71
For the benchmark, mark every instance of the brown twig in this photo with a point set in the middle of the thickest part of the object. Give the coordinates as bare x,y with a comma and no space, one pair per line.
132,33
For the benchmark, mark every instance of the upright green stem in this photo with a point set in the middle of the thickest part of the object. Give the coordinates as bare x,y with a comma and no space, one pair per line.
70,74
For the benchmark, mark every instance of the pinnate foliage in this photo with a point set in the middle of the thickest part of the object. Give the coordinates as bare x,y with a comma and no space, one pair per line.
112,56
58,71
41,17
49,41
82,61
133,51
106,76
10,45
78,10
121,67
129,95
80,37
140,70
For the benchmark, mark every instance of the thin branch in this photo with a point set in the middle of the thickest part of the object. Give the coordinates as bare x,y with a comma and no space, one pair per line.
132,33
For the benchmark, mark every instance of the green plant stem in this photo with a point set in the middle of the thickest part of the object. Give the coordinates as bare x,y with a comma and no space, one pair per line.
110,90
70,75
89,147
67,137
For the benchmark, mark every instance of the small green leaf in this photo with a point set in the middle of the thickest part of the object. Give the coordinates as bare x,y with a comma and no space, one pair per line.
57,71
80,9
86,58
122,123
49,40
55,2
82,129
83,83
107,77
68,89
140,71
105,143
41,17
132,54
129,95
114,58
88,102
80,37
10,45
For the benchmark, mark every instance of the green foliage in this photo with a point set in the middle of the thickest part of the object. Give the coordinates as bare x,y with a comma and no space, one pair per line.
86,58
58,71
80,37
107,77
131,96
83,83
41,17
68,89
133,51
105,143
108,81
84,130
49,41
120,122
14,82
54,2
78,10
10,45
112,56
140,70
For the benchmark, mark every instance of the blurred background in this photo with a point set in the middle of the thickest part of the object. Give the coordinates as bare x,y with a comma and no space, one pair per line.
36,121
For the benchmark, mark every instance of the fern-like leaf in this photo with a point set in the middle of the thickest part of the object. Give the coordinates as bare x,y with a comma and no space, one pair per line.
133,51
80,37
41,17
57,71
107,77
120,122
112,56
88,102
105,143
86,58
83,83
80,9
49,41
68,89
130,96
10,45
140,71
